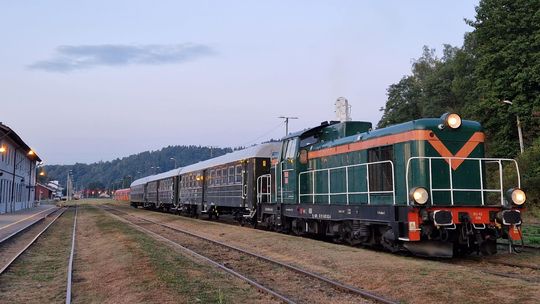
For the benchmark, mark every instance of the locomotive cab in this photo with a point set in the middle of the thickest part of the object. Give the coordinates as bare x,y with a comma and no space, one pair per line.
458,197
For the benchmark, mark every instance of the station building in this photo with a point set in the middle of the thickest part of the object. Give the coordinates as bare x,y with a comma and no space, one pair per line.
17,172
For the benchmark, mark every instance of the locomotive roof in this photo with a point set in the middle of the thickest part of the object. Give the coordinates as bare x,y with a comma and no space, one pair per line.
263,150
419,124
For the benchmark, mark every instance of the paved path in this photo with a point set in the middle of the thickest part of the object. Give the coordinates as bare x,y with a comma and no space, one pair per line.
12,222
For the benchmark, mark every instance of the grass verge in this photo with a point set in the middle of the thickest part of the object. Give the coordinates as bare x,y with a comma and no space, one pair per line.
39,275
177,277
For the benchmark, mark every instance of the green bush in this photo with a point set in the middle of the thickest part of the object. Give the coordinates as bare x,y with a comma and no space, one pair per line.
529,166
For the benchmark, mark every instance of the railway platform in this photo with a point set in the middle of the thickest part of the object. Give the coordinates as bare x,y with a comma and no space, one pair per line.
12,223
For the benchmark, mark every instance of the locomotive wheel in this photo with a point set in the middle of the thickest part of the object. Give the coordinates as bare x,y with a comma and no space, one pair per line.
488,247
296,227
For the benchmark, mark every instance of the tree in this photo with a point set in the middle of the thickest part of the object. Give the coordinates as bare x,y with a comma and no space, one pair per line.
402,104
506,44
437,85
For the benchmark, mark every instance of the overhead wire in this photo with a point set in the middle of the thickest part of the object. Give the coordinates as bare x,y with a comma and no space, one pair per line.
263,135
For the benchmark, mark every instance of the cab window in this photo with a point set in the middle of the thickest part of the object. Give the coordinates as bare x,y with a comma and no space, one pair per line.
291,148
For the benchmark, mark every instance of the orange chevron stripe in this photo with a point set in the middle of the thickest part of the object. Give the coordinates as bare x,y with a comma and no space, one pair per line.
465,151
426,135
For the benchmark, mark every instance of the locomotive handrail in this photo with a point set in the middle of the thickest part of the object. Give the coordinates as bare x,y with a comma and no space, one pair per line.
449,159
347,193
268,193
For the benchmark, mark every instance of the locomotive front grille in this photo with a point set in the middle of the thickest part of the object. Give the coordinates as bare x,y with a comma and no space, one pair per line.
511,217
442,218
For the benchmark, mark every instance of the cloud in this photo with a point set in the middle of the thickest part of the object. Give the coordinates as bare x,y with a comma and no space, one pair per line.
69,58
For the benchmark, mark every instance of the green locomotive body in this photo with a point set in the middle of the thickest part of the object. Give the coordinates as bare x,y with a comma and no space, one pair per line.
356,184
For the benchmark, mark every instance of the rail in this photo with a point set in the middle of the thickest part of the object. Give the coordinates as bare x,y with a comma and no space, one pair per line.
70,263
198,255
452,189
364,293
30,224
347,193
20,252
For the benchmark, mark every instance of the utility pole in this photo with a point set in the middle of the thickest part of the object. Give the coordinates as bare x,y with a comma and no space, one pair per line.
520,135
287,123
69,186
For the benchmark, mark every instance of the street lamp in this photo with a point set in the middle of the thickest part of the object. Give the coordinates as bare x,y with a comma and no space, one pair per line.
520,135
172,158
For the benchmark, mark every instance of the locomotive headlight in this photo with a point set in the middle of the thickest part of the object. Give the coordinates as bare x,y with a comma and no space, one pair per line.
419,195
517,196
452,120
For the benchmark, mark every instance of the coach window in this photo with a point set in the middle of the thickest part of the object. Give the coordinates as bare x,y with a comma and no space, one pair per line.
224,176
380,175
231,175
212,177
238,175
284,150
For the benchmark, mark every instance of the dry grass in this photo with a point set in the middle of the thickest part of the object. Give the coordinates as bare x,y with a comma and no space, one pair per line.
117,264
409,279
39,275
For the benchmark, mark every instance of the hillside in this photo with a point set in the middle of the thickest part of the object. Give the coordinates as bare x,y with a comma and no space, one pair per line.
121,172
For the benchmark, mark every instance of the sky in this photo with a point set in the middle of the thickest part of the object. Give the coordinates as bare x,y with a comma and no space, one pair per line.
88,81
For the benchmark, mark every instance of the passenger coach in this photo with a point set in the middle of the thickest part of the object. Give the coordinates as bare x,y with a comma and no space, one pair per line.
222,185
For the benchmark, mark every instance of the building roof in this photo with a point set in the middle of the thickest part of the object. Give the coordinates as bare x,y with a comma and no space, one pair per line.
46,187
9,133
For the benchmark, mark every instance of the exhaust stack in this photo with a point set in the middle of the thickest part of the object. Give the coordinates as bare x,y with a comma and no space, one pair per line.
343,109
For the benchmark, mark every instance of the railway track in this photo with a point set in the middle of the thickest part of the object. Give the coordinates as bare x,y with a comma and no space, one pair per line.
70,262
19,242
501,268
25,223
285,282
520,246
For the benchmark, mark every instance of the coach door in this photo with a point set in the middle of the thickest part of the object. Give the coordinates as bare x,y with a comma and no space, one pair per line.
241,172
287,172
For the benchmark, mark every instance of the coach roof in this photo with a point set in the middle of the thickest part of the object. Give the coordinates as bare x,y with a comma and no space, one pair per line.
164,175
259,151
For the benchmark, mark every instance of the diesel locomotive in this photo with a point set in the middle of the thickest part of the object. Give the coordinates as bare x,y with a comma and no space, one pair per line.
424,186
